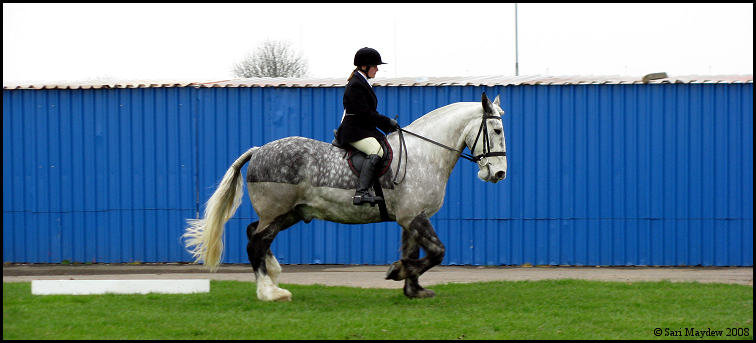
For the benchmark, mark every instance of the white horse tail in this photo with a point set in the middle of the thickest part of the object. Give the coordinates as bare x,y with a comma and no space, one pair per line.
204,236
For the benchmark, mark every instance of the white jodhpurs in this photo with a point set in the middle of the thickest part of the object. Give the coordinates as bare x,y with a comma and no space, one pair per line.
369,146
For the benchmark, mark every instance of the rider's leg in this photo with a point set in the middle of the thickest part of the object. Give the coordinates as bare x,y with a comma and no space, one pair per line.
374,152
369,146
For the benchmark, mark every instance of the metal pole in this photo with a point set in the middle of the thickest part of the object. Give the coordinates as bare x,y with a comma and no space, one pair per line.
517,51
395,53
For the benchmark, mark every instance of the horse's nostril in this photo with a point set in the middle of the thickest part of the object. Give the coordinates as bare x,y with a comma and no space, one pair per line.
500,175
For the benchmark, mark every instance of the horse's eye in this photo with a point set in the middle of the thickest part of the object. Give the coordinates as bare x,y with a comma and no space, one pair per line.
498,131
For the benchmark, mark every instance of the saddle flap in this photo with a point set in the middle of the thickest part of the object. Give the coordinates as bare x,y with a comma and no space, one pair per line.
356,158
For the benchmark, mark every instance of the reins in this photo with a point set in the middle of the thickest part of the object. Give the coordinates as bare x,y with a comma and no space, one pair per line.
470,157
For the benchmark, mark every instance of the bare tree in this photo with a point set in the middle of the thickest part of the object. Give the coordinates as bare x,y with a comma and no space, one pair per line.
272,58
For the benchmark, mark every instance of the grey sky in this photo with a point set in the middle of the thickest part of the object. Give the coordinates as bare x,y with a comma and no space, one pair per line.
55,42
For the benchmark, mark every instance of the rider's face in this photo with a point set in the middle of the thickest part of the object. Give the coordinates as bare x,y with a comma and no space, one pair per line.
371,72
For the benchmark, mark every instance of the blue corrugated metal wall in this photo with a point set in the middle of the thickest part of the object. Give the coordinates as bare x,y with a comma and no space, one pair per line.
96,175
598,174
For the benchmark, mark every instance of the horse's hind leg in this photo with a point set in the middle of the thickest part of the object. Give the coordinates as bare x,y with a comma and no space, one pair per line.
410,267
271,263
264,264
412,288
274,269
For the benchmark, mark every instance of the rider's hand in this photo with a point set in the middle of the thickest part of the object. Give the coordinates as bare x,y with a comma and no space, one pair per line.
393,125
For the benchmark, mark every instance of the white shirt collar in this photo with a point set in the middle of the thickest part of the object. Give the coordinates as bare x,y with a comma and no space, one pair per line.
364,77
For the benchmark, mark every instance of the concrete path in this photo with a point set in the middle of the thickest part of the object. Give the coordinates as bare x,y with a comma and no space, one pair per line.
373,276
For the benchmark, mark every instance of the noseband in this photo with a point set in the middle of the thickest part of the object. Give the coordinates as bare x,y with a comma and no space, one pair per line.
470,157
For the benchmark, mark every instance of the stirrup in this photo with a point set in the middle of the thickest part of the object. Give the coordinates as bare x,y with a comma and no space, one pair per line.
366,198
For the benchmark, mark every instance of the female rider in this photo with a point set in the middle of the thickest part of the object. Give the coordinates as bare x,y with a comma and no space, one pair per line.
360,123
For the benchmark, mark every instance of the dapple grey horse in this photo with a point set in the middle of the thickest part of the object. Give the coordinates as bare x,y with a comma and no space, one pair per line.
297,179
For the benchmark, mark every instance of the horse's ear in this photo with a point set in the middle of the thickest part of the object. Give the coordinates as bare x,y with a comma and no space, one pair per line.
484,99
496,101
487,106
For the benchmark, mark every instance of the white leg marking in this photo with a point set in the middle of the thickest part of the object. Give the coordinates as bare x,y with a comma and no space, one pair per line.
274,269
267,291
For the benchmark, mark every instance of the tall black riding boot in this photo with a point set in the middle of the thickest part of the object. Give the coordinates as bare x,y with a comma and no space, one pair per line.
369,171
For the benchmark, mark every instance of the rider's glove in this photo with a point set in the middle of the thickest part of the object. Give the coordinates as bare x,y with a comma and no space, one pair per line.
393,125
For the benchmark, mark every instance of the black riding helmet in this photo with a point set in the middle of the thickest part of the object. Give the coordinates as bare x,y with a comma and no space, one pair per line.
367,57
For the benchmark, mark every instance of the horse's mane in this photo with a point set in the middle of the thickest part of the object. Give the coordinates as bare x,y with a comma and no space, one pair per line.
434,116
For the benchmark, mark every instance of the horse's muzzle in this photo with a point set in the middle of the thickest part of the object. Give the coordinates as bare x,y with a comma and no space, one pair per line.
497,176
489,175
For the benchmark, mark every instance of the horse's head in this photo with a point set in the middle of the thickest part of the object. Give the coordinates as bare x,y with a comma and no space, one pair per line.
485,139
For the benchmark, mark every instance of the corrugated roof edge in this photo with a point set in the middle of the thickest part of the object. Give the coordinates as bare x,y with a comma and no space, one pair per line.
495,80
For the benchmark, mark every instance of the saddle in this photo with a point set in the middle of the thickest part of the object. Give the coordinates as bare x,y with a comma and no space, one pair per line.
356,158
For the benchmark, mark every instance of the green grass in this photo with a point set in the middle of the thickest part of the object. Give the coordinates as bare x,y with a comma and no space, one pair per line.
552,309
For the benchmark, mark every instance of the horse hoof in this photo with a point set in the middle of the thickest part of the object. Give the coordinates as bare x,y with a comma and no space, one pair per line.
425,293
421,294
279,294
395,272
283,298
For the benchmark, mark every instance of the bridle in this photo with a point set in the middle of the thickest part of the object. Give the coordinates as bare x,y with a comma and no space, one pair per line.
486,143
481,159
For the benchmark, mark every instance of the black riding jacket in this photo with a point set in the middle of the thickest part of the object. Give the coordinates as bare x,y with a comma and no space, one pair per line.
362,118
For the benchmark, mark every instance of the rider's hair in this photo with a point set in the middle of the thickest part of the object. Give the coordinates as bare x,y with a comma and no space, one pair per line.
355,70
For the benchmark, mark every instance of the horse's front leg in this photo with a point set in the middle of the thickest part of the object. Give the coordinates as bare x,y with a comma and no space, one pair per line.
411,250
418,233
